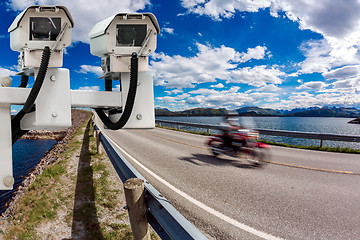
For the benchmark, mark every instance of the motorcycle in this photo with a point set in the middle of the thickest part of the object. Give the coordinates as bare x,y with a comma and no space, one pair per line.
242,143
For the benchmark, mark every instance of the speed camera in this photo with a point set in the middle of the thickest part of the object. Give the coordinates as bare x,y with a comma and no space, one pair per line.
37,27
40,34
116,38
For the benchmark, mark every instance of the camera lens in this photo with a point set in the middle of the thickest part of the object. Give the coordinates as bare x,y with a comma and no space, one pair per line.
126,35
130,35
42,29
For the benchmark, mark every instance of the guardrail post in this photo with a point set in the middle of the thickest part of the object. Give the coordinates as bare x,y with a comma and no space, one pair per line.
93,128
98,146
321,143
135,200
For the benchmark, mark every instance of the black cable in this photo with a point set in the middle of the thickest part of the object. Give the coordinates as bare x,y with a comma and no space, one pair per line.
129,100
15,126
16,130
29,106
24,81
39,80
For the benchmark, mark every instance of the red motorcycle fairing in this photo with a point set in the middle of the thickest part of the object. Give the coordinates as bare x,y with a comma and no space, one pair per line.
244,144
263,145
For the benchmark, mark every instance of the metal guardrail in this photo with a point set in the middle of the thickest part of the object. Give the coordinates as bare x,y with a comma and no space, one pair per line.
293,134
162,216
198,125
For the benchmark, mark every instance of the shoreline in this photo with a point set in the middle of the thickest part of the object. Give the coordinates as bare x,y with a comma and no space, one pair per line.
45,134
51,156
355,121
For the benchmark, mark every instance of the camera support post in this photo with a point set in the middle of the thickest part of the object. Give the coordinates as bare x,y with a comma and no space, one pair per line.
53,111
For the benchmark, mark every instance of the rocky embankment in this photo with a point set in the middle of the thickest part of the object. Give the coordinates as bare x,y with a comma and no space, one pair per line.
78,117
45,134
355,121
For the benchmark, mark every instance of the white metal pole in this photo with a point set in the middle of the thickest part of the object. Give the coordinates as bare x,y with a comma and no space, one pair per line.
6,171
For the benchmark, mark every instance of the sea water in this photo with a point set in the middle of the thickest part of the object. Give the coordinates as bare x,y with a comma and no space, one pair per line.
324,125
26,155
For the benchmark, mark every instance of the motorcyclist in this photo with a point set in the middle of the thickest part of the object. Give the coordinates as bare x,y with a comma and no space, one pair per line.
229,126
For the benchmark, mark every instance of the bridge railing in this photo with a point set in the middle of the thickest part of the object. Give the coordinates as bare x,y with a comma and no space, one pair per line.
293,134
167,222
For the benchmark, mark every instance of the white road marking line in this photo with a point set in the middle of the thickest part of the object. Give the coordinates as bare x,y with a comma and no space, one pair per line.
196,202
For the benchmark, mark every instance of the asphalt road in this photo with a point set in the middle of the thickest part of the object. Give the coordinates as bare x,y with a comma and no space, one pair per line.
301,195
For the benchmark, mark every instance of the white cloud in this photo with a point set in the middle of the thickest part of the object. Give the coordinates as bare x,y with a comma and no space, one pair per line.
258,52
218,9
91,69
318,58
321,56
331,18
89,88
177,99
7,72
168,30
86,13
175,91
116,88
203,91
269,88
337,21
313,85
328,17
347,85
343,72
260,97
343,84
181,72
195,100
303,99
220,85
257,76
231,98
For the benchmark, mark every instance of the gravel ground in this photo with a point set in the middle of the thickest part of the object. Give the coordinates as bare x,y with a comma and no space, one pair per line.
81,190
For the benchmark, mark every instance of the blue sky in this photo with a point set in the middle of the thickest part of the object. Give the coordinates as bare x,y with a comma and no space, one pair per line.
225,53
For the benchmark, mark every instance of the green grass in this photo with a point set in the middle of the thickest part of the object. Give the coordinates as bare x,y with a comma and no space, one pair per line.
42,199
94,195
54,171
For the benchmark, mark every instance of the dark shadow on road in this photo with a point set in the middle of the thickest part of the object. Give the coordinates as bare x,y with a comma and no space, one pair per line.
200,159
85,221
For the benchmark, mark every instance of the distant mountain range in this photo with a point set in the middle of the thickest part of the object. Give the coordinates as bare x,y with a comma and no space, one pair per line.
256,111
191,112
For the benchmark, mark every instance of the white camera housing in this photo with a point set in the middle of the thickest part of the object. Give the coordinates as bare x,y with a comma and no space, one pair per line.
37,27
116,38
